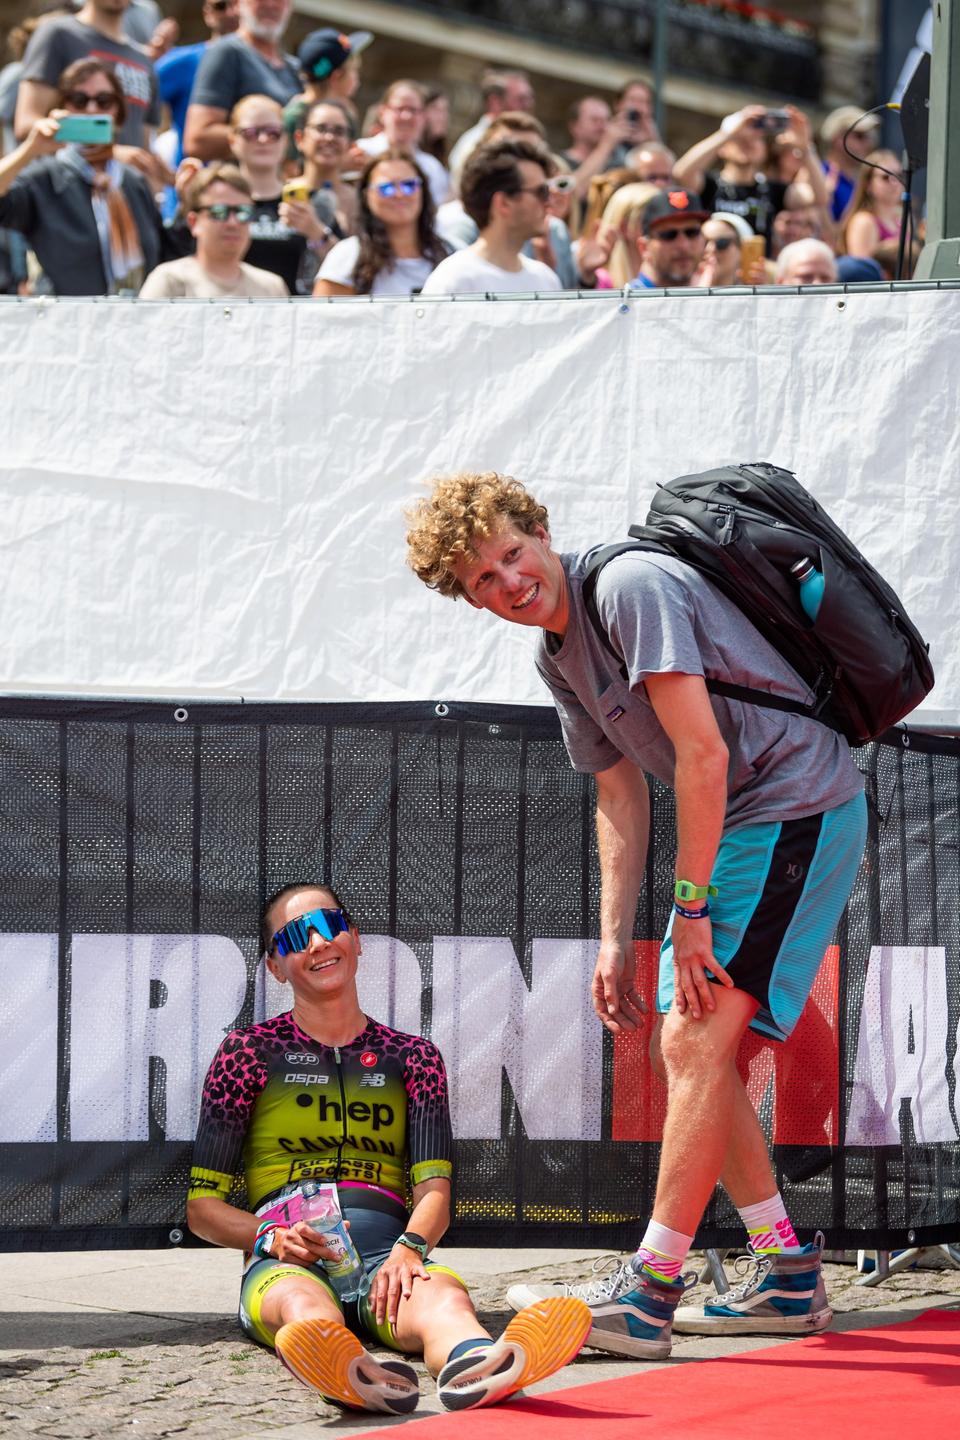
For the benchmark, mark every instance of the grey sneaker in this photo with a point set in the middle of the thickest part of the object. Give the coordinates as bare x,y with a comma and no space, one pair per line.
783,1294
599,1288
636,1316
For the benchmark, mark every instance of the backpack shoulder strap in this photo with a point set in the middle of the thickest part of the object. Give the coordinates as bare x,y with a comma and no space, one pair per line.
726,688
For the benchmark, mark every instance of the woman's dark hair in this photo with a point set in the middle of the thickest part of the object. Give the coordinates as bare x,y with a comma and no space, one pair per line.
267,934
435,145
376,251
81,70
493,170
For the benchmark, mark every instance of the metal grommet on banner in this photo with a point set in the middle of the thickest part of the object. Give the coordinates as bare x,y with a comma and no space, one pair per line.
441,709
420,313
227,314
841,304
493,729
176,1237
905,739
181,714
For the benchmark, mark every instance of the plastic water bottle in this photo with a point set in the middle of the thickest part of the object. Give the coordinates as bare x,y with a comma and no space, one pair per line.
321,1210
811,584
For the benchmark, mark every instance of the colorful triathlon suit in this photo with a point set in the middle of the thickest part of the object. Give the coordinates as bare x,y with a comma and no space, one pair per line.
372,1116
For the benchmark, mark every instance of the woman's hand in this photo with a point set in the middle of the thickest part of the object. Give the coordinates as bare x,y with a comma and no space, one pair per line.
301,216
42,139
302,1245
394,1282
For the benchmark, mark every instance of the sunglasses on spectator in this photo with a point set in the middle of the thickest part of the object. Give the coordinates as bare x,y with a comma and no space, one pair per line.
405,109
243,213
541,191
689,232
80,100
390,189
338,132
664,178
219,6
294,937
260,132
723,243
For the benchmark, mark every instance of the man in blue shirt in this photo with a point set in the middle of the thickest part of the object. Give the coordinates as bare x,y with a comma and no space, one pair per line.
177,70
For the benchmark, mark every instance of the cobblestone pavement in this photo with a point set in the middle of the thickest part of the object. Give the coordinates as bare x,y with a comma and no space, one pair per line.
195,1375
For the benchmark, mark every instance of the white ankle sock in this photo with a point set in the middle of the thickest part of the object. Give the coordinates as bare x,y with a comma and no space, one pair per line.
768,1226
662,1251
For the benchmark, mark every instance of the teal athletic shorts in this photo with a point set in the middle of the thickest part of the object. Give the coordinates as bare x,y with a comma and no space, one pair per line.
374,1233
782,887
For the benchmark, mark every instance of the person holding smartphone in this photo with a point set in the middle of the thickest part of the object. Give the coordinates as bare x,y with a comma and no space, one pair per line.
91,220
325,1093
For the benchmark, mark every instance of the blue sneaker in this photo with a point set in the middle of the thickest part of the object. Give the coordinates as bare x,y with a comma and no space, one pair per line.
632,1313
782,1295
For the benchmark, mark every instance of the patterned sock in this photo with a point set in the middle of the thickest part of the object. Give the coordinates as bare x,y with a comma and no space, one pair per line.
768,1227
662,1251
469,1347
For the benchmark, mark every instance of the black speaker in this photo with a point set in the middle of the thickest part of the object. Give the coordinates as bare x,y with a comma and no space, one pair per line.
915,115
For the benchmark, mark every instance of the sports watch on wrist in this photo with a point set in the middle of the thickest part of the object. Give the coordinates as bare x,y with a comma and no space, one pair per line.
412,1241
685,891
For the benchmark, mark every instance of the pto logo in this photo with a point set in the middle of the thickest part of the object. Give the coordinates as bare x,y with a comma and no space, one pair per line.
302,1059
369,1059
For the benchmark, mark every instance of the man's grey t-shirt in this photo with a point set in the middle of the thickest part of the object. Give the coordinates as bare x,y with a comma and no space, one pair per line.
664,617
56,44
232,68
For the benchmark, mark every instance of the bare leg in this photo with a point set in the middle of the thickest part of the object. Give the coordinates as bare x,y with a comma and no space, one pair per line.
437,1315
293,1299
706,1102
747,1175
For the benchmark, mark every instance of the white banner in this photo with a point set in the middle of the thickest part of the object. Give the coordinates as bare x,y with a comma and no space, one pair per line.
207,500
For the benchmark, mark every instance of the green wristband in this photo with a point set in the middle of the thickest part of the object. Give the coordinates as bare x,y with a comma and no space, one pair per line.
685,891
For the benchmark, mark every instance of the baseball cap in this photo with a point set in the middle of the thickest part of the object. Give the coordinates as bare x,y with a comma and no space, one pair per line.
324,51
843,119
673,205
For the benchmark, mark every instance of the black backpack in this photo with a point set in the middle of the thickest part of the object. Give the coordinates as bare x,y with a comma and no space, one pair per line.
743,526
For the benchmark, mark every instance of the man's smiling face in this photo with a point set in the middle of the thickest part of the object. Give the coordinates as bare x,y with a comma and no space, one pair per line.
517,576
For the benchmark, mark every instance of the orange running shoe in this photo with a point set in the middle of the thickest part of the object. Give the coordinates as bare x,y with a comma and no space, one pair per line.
541,1339
326,1356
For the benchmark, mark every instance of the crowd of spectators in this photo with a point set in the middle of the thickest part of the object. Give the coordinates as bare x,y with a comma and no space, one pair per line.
133,165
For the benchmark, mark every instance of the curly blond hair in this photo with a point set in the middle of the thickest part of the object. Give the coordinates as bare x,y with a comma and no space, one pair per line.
459,511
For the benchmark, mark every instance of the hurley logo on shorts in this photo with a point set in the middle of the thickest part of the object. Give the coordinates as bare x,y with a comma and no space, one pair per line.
794,872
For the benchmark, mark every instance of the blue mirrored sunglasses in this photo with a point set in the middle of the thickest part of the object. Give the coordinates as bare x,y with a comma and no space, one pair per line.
295,935
391,188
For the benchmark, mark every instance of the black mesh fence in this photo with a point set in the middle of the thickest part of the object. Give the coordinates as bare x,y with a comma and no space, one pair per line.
138,842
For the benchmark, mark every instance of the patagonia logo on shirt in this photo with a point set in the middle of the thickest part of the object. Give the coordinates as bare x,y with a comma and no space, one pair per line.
615,713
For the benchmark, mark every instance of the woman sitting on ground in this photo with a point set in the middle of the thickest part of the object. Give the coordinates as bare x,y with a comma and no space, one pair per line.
265,1109
396,245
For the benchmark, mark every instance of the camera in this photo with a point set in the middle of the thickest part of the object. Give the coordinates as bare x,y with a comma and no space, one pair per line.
773,122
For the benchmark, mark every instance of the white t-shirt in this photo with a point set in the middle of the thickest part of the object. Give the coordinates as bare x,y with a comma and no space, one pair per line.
402,278
185,278
466,273
437,177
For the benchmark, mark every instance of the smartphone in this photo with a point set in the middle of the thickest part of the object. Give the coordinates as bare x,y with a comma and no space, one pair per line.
632,116
296,190
751,250
85,130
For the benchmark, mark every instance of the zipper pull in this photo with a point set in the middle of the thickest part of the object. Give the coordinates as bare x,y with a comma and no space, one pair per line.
336,1051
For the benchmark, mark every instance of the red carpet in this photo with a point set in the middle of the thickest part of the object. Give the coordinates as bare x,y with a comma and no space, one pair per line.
889,1382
